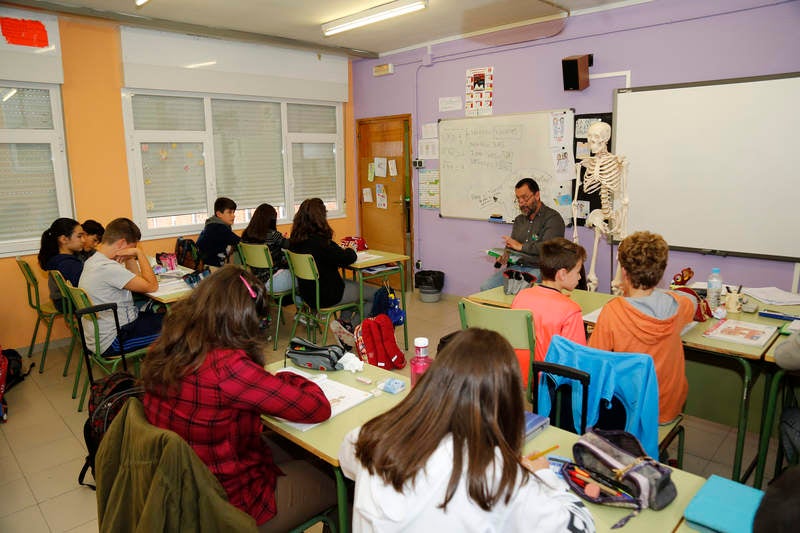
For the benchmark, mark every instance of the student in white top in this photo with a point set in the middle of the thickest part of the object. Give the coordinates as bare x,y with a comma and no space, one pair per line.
448,457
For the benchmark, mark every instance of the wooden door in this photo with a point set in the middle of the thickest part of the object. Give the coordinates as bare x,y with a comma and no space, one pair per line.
385,224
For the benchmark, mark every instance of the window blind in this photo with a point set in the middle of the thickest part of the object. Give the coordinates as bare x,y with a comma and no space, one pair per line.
314,171
28,200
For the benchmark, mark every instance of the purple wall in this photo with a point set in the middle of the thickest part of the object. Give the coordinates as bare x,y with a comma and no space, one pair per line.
660,42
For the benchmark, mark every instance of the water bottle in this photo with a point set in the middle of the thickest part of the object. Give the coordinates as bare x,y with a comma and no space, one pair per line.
420,362
714,292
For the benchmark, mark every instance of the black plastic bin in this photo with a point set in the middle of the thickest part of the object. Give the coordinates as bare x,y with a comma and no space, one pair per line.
429,283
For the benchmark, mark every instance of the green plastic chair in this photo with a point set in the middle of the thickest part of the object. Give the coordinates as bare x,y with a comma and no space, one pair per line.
45,311
85,310
258,256
516,325
69,317
304,267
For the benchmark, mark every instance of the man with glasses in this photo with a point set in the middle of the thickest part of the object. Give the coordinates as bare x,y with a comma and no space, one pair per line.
536,223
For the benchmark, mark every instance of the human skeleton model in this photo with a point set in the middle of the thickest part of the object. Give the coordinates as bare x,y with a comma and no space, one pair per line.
607,173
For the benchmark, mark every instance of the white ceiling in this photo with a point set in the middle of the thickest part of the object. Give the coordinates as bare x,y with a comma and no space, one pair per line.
297,22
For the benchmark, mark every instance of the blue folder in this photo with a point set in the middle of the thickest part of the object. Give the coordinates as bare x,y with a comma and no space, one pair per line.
723,505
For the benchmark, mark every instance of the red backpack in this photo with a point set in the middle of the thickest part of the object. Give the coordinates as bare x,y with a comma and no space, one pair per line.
377,345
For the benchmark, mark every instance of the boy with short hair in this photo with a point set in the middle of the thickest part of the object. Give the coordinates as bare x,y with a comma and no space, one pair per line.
94,235
217,240
554,313
111,275
647,320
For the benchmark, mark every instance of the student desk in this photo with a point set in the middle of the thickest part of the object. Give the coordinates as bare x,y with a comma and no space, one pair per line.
386,264
171,288
647,521
325,439
589,301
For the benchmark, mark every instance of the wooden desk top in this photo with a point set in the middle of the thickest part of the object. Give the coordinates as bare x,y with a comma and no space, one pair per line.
647,521
371,258
325,439
589,301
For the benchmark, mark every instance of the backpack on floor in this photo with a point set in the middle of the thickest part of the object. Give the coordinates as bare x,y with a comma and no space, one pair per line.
377,345
108,395
10,375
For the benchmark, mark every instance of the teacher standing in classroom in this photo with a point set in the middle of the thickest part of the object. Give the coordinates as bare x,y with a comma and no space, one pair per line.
535,224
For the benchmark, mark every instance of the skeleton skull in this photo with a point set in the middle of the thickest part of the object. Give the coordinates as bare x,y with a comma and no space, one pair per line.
598,135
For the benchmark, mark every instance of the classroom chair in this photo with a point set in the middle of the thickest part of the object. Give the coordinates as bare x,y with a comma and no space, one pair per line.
150,479
304,267
69,317
258,256
45,311
547,372
108,364
516,325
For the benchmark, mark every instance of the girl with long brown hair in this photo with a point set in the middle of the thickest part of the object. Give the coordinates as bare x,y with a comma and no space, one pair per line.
449,456
204,379
262,229
311,234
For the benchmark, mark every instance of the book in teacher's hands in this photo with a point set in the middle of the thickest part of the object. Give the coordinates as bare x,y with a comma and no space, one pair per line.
740,332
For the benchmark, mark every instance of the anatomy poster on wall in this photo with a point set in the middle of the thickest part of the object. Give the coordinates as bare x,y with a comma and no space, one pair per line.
479,91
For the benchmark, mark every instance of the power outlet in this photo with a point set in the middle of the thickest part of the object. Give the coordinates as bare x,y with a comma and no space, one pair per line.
418,264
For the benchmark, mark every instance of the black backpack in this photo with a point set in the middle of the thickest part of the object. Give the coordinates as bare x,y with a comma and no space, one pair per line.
107,398
187,254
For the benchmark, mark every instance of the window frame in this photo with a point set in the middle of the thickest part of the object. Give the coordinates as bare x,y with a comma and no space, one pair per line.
55,137
133,138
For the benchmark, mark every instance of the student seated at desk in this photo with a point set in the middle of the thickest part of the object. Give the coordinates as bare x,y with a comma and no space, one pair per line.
554,313
311,234
448,457
648,320
217,240
94,235
59,249
204,379
111,275
262,229
787,353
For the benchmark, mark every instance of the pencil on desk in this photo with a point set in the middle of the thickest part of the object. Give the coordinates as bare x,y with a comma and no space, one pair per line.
534,456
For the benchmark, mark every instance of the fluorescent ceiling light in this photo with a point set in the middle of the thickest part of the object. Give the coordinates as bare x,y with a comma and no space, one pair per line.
9,94
141,2
375,14
198,65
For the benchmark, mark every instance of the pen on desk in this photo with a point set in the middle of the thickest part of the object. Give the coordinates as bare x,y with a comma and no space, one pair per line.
739,290
728,288
534,456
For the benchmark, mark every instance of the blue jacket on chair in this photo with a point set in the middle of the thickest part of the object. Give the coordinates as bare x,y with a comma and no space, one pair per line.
631,377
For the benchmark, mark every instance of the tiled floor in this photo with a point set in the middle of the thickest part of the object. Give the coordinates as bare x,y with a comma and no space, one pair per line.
42,449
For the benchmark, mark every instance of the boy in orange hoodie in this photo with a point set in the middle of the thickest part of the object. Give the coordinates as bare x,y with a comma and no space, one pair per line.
648,320
554,313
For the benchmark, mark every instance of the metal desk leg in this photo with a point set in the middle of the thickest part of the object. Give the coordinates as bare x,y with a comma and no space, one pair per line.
403,300
360,279
766,425
341,501
743,411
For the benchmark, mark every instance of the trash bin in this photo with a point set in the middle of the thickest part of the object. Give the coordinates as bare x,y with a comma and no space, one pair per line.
429,283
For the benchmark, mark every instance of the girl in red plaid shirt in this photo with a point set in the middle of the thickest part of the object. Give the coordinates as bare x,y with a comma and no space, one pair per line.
205,380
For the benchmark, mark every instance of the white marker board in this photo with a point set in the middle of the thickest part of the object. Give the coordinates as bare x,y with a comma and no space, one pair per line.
712,166
481,159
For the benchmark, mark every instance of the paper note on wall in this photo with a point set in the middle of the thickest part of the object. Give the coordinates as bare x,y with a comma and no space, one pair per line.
380,193
371,172
450,103
430,130
429,149
392,167
366,194
429,189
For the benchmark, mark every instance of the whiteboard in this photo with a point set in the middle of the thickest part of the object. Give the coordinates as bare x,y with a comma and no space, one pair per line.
712,165
481,159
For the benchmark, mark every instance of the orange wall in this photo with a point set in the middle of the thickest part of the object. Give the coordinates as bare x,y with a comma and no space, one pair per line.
95,140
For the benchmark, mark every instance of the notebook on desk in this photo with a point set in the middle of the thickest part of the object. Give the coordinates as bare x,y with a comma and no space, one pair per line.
723,505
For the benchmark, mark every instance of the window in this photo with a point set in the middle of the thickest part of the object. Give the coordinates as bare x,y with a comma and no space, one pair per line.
189,149
34,180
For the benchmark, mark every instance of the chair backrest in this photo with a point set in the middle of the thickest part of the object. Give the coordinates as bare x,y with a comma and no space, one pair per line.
66,300
32,283
630,377
255,255
303,266
543,369
516,325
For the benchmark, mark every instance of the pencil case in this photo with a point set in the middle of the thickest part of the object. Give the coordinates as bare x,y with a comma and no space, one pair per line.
616,460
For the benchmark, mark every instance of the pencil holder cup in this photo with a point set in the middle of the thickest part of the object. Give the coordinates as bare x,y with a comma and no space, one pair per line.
733,303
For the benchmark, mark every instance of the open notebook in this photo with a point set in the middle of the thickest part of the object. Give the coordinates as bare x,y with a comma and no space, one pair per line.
341,397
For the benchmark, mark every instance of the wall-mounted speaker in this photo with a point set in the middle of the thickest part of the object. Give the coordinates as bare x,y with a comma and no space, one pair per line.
576,72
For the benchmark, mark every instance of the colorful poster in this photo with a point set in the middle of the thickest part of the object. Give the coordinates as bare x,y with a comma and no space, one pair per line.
479,91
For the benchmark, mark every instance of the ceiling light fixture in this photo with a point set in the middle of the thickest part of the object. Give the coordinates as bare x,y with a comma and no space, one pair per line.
9,94
375,14
140,3
198,65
